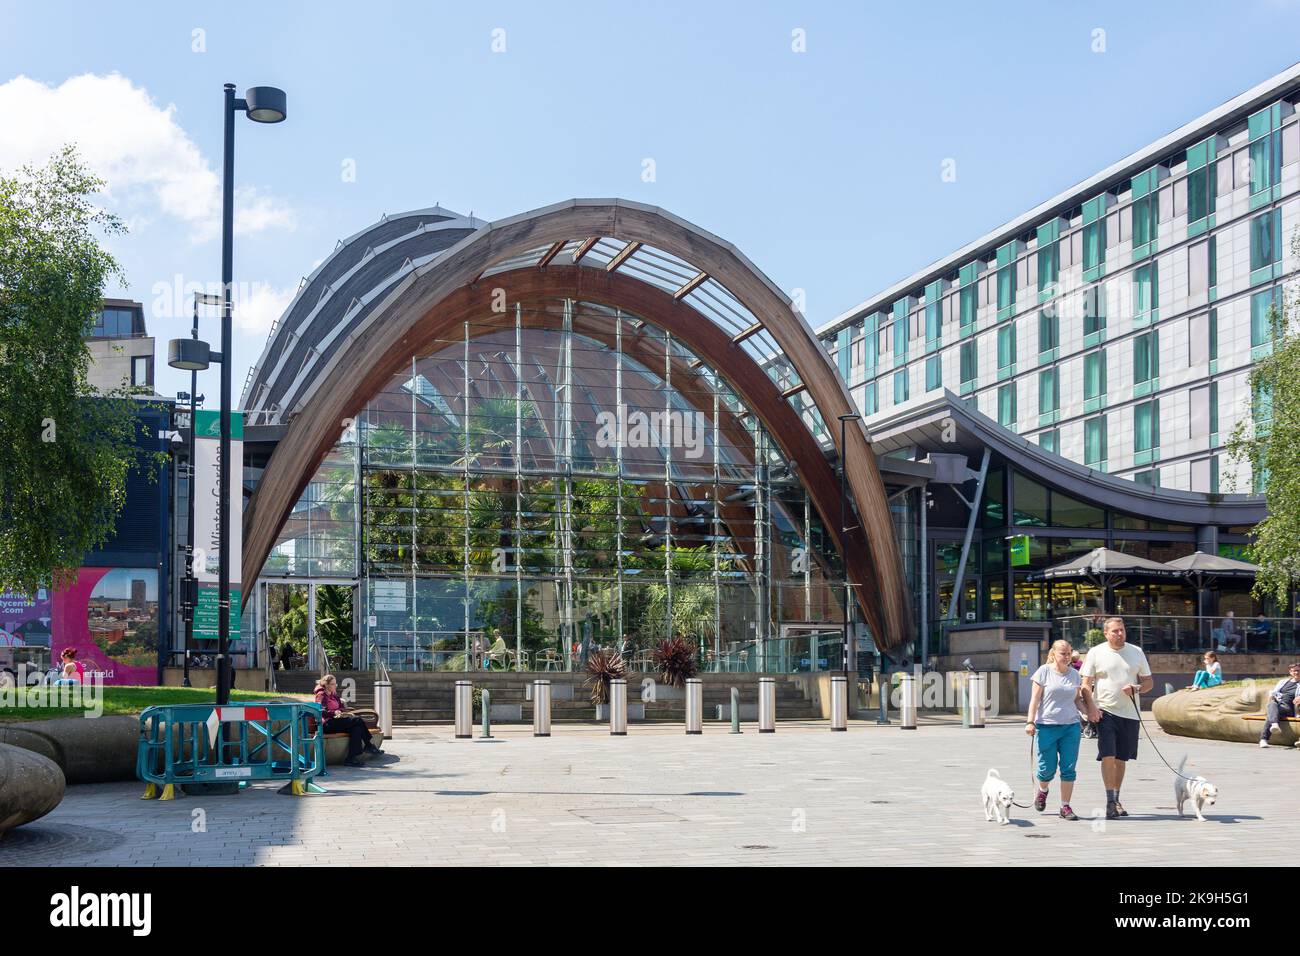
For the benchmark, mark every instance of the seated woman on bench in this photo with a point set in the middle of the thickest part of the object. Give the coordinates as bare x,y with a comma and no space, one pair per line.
338,721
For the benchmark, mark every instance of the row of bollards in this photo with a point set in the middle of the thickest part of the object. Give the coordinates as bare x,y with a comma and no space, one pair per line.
972,709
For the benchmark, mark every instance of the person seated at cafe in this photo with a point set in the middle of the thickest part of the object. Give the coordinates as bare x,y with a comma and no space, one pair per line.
1211,675
338,721
1263,628
1231,638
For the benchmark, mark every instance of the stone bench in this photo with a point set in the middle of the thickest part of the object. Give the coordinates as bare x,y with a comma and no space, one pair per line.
1219,713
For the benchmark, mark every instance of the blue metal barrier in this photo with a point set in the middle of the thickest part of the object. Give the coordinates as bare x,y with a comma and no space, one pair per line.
205,744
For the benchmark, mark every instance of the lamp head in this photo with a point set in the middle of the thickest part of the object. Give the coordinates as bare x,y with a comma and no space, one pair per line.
265,104
189,355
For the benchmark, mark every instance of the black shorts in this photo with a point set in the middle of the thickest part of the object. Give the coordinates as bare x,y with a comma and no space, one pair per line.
1117,737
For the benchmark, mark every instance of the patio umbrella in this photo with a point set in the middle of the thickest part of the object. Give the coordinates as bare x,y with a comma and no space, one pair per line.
1198,567
1105,569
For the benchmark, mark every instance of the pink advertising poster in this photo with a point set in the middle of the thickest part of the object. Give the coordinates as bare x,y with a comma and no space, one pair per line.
110,617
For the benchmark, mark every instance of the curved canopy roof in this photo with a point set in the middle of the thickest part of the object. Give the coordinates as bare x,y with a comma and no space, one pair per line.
388,292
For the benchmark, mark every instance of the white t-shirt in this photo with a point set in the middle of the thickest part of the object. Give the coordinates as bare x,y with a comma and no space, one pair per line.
1115,670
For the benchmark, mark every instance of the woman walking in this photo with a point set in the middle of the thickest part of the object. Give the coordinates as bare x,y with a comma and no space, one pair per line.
1054,709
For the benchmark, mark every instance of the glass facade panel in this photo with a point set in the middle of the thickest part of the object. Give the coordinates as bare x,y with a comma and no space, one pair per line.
549,480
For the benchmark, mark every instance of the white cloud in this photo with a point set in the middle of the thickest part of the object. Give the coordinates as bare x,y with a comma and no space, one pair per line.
150,164
257,306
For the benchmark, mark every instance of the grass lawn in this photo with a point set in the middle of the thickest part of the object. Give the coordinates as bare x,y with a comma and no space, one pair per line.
125,700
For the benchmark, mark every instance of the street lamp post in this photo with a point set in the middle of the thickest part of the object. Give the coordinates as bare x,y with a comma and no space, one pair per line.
263,104
845,529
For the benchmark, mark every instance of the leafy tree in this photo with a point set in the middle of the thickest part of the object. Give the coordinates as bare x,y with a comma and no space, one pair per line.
1268,439
65,450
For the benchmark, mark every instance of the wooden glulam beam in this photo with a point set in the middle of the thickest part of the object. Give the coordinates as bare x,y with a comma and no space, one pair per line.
622,256
585,247
695,282
551,253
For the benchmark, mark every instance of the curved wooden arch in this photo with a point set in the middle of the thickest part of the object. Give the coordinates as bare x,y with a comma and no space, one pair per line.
410,318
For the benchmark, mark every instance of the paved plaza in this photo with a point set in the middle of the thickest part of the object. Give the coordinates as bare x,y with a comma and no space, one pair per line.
872,796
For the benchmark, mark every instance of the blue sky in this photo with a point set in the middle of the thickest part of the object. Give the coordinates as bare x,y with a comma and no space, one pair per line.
822,166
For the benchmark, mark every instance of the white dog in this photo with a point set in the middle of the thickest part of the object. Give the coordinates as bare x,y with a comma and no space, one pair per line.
998,798
1197,789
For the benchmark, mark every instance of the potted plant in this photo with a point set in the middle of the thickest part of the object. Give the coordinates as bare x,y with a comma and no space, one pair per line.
675,661
603,667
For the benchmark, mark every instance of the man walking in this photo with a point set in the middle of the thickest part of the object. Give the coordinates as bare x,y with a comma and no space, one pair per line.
1281,703
1116,672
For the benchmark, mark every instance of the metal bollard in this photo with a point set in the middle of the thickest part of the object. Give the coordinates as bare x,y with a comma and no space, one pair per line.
883,687
384,707
839,703
907,700
487,713
694,705
767,705
464,709
541,708
618,707
975,698
735,711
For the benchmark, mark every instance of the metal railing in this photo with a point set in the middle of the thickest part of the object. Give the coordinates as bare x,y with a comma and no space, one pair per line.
1174,633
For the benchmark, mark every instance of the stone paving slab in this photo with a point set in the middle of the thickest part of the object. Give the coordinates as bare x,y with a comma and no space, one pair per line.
801,796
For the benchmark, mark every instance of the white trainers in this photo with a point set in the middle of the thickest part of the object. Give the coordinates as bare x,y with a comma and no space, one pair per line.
1274,729
1263,744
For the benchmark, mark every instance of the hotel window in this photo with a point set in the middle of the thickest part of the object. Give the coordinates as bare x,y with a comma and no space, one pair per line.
1146,426
1007,405
870,401
1150,478
1214,408
1007,347
1094,310
842,351
1049,391
969,362
1201,185
1094,374
1265,245
1049,258
933,373
1006,259
1146,293
1050,441
1094,237
871,344
968,305
900,386
1094,441
1146,358
1146,212
1049,330
933,324
1264,309
1265,153
900,339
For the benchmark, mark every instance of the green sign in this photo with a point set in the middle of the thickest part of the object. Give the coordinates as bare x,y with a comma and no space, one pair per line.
1019,550
206,623
208,424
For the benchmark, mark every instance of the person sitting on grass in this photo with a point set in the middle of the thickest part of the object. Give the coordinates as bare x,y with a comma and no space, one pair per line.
69,675
69,656
1212,675
338,721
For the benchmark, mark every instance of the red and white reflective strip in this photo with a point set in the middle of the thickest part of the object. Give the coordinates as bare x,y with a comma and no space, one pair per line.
234,715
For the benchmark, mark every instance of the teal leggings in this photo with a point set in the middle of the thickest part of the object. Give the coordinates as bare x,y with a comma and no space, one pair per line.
1057,743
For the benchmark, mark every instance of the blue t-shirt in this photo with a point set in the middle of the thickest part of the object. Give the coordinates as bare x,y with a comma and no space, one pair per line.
1056,704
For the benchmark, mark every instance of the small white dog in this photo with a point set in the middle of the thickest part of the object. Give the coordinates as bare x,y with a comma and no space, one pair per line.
1196,789
998,797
